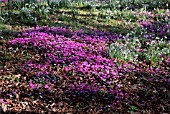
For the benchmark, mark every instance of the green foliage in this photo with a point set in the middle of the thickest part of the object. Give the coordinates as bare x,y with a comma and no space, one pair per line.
139,50
133,108
63,3
26,16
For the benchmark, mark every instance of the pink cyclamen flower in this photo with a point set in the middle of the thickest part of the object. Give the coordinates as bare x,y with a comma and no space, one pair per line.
1,100
46,86
31,85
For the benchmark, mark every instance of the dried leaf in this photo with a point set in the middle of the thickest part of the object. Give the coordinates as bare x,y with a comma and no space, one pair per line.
4,107
17,76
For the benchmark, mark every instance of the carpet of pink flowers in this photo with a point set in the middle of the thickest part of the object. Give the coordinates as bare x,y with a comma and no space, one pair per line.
62,70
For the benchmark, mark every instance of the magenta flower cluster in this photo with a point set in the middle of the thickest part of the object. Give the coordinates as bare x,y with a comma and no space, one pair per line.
156,29
83,58
77,62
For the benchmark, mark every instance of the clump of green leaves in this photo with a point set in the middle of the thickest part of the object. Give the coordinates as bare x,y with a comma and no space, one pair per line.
133,108
139,50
